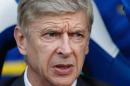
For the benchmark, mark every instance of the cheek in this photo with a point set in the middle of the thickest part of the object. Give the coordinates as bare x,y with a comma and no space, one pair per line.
80,52
80,60
45,53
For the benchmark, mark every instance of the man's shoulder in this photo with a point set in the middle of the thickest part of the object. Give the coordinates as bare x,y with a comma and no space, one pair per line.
15,81
82,81
89,81
7,82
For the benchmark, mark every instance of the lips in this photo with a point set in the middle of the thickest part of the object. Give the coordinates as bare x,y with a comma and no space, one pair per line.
63,69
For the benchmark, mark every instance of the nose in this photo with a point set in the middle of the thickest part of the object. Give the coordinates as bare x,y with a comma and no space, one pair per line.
65,48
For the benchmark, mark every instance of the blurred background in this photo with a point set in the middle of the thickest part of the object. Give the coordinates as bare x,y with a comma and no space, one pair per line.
109,55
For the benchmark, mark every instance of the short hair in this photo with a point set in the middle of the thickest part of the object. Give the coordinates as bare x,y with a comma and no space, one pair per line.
29,10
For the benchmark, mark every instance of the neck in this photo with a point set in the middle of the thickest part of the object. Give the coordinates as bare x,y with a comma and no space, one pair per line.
35,79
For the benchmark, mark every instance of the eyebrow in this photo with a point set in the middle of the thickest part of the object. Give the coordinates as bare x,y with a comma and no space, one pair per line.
79,27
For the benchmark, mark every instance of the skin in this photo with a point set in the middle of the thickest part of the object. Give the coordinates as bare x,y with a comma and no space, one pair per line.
55,40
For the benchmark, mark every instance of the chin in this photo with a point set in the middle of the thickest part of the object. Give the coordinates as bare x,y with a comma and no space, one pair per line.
59,79
63,81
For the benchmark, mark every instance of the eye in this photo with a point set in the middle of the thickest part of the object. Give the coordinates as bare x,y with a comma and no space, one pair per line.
51,35
77,36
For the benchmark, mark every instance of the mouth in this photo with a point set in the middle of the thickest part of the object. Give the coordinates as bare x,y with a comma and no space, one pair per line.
63,69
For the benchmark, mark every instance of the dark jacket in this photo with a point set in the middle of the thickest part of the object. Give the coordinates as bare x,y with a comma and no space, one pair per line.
82,81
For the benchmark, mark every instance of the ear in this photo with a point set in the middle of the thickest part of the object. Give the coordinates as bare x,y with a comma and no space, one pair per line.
20,40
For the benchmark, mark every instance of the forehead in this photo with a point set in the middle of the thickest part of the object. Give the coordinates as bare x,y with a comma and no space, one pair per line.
72,19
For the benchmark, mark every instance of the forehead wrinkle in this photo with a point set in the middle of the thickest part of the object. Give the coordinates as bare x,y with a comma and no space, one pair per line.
68,23
42,25
66,26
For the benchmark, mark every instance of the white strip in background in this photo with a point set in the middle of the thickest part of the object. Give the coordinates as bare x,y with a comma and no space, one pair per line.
101,36
8,13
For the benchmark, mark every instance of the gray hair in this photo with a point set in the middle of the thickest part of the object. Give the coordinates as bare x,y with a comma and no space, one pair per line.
29,10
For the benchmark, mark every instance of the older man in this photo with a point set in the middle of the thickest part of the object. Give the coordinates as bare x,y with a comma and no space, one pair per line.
53,35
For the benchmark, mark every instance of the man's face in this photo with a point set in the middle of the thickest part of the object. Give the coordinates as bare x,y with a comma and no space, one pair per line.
56,47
